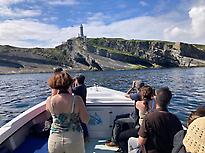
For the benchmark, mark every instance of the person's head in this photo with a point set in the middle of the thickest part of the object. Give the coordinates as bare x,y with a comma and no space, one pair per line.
146,92
200,112
57,70
60,81
138,84
80,79
163,97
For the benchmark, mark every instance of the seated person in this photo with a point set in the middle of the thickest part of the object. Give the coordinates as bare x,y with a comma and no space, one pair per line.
178,138
158,127
136,86
144,106
126,121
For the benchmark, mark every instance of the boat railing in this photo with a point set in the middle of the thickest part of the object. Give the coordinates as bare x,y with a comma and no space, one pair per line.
12,126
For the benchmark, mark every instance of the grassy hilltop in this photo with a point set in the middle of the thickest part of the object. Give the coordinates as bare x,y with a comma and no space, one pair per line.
101,54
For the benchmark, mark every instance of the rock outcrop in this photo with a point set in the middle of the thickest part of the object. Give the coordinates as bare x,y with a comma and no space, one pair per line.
106,53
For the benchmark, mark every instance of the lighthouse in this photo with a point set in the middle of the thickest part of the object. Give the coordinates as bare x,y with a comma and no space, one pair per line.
81,31
81,34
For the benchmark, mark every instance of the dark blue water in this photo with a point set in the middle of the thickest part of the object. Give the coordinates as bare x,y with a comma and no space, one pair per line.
22,91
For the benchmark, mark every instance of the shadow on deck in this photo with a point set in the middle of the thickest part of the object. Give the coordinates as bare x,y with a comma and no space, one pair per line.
40,145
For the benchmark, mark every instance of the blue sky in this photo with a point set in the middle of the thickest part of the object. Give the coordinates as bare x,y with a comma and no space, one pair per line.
47,23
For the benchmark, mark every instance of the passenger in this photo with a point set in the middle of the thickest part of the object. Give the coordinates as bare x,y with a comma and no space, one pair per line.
145,105
80,89
194,140
126,121
136,86
178,138
66,134
158,128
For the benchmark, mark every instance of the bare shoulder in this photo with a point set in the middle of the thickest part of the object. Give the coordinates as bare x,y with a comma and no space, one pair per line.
78,98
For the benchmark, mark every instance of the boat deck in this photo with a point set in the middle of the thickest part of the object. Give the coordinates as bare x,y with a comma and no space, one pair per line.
103,105
35,144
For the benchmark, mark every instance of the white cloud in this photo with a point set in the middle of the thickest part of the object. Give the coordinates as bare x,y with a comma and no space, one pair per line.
14,31
9,2
191,31
143,3
136,28
27,33
197,15
8,12
97,18
62,2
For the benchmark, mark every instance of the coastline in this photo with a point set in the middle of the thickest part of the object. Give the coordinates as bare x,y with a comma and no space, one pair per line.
49,69
32,70
10,71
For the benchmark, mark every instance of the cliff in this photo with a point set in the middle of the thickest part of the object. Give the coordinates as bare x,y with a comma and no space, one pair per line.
104,53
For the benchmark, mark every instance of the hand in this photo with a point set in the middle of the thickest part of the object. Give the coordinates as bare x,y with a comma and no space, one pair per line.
133,84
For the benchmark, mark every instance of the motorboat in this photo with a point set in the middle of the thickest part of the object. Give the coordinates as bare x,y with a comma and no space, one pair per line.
103,104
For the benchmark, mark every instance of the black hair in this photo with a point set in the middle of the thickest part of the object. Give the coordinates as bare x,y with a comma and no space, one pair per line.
80,78
163,97
57,70
199,112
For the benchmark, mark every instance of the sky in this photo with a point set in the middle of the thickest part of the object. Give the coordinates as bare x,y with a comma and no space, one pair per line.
47,23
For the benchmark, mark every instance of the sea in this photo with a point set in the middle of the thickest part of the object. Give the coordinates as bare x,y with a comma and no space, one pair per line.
18,92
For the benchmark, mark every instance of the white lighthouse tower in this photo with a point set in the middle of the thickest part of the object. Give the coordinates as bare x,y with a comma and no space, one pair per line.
81,34
81,31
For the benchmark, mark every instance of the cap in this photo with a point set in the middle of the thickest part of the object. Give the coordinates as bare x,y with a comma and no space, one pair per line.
194,140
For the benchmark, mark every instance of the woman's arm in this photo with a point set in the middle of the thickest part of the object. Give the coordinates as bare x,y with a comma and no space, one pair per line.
84,116
48,101
140,106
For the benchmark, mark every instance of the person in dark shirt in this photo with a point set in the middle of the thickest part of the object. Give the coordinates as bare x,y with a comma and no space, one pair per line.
158,128
80,89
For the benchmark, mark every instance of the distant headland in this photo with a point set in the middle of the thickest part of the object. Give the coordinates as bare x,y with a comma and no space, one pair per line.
97,54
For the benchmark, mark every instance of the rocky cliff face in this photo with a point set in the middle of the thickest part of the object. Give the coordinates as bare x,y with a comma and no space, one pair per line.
106,53
137,52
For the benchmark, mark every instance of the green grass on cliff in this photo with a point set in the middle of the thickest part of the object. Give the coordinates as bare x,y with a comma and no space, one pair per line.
111,50
50,54
136,67
95,41
151,41
200,46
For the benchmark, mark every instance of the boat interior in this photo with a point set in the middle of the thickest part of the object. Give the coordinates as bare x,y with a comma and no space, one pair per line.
20,134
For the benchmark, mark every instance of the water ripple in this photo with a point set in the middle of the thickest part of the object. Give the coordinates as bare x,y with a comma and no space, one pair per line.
22,91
